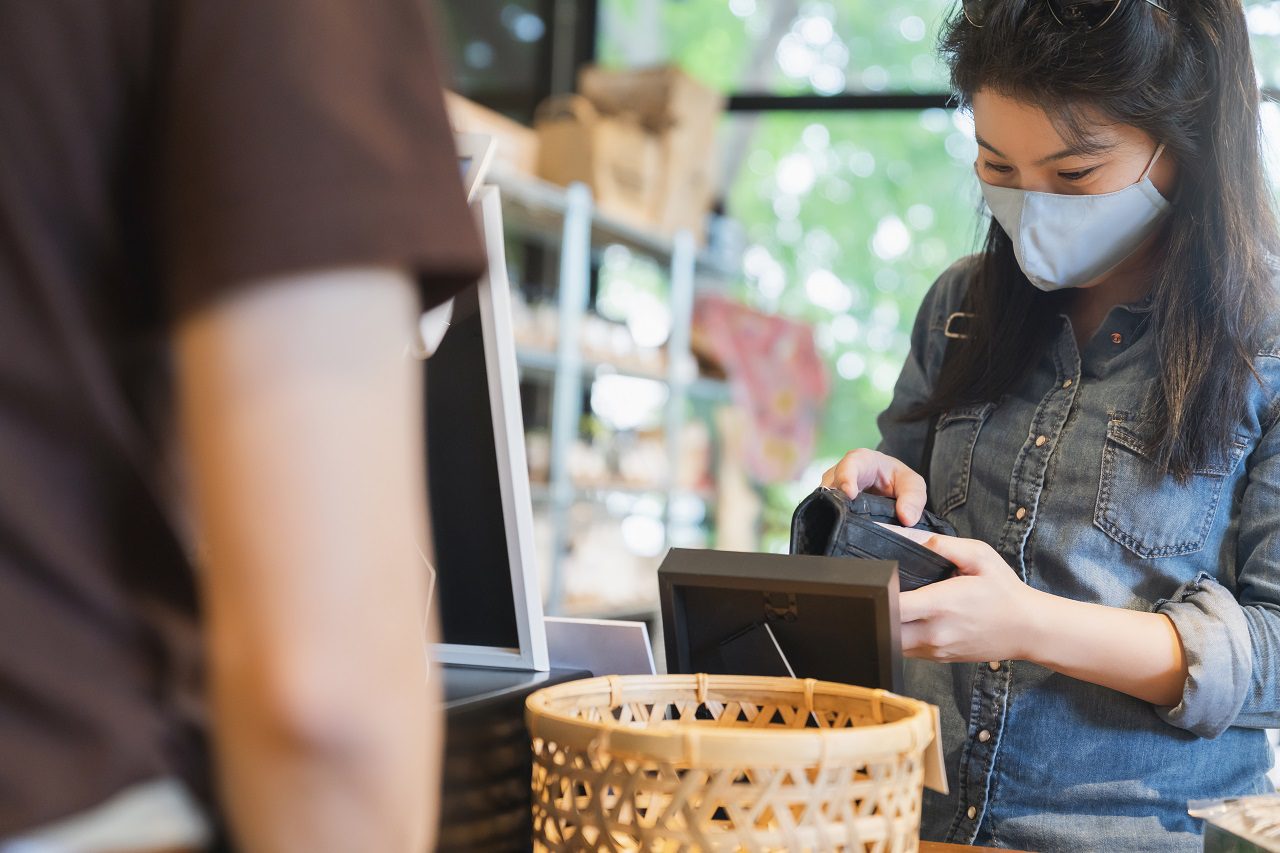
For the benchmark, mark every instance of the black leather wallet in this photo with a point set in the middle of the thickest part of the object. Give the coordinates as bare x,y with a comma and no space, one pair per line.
829,523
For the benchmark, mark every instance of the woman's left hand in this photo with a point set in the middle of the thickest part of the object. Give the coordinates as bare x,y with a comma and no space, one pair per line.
984,613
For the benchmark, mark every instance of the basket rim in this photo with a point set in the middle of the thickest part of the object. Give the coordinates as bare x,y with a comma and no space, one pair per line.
699,744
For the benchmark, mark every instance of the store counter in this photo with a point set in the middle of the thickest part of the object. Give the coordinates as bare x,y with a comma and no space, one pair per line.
485,806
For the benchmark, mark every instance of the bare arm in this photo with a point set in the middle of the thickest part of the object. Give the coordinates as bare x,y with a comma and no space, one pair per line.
987,613
1132,651
302,421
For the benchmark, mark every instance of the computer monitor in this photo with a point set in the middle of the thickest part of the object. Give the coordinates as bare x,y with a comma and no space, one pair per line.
475,156
830,618
487,594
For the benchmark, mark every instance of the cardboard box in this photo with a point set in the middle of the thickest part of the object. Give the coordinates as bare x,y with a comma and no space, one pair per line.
684,115
614,156
661,98
517,145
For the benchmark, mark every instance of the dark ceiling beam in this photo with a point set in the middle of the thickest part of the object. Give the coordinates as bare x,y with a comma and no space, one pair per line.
755,103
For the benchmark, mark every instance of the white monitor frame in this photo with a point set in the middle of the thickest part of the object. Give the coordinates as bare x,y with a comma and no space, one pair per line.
477,150
494,298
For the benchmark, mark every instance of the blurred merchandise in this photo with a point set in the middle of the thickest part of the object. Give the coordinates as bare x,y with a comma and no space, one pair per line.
683,115
706,351
535,324
695,473
614,156
738,504
603,342
620,443
537,444
1240,825
642,460
643,140
603,572
588,464
778,377
634,461
517,144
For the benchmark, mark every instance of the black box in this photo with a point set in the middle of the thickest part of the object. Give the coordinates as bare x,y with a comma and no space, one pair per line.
830,618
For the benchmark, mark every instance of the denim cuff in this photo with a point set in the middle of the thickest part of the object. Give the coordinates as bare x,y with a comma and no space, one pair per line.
1215,639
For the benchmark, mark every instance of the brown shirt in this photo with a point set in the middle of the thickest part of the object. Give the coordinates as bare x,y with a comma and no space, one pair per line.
153,155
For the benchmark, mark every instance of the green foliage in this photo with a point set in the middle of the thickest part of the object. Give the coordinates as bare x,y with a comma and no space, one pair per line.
876,45
849,216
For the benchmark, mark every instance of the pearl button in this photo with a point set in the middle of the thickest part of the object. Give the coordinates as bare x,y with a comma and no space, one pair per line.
1066,384
1040,440
984,736
1021,513
972,812
1116,337
995,665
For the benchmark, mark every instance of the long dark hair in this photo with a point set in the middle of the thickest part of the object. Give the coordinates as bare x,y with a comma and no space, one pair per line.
1187,80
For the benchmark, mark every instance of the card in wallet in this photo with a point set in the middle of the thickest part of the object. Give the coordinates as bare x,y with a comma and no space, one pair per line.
830,523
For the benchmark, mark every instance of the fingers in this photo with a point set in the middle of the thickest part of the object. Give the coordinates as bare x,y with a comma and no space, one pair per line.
936,542
917,536
915,606
927,641
909,487
915,640
971,556
879,474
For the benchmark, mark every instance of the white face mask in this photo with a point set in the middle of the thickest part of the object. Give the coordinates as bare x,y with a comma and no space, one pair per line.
1065,241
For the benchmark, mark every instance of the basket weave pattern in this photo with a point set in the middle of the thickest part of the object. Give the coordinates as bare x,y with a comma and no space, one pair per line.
684,762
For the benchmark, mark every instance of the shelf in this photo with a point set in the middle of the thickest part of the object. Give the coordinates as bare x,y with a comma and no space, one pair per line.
538,206
566,221
541,492
632,611
544,362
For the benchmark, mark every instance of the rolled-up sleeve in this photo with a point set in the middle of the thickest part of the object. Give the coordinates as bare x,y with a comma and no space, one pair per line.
1216,640
1232,641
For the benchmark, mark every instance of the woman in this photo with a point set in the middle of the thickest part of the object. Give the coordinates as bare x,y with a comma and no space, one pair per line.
1093,400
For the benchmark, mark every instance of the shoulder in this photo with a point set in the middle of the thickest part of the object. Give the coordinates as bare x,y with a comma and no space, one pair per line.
946,295
944,298
1268,340
1266,359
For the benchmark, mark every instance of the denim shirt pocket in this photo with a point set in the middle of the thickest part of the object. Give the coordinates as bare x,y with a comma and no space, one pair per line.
953,443
1149,513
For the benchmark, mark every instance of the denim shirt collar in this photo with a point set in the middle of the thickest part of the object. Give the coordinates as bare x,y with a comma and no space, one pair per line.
1143,305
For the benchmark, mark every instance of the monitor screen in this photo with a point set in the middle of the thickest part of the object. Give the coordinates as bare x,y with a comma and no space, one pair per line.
474,588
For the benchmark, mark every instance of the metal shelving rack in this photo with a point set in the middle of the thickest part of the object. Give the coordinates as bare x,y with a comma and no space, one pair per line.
567,217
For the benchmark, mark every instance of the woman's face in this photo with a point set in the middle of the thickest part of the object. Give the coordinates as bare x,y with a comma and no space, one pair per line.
1019,147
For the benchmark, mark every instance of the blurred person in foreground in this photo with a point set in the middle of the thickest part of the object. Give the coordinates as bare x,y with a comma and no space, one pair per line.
219,223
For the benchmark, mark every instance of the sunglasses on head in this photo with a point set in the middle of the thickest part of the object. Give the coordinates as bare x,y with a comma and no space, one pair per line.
1085,15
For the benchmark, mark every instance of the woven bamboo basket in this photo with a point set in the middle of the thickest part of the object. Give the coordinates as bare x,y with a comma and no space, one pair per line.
712,763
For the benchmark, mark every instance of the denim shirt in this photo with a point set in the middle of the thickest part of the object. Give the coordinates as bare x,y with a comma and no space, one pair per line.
1055,477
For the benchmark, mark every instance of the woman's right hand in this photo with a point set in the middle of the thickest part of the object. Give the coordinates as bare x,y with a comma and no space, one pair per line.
864,470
